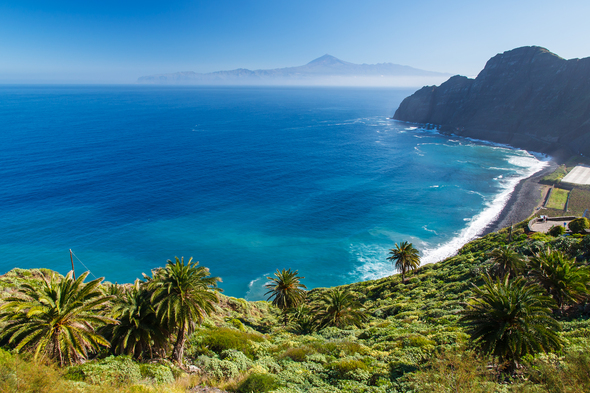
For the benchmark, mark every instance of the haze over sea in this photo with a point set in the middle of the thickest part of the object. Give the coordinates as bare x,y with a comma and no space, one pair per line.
245,180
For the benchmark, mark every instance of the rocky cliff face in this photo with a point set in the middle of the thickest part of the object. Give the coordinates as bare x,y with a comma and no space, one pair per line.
527,97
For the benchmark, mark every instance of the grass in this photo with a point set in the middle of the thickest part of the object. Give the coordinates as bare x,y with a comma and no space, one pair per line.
579,201
557,199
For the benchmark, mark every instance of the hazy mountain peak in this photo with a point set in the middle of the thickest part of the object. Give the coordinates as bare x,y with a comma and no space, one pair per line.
326,70
327,60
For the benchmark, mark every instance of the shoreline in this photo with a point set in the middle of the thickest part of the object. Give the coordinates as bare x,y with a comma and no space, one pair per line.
522,202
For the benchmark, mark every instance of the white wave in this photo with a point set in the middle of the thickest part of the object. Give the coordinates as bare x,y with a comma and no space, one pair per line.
435,186
429,230
477,193
372,259
480,221
256,288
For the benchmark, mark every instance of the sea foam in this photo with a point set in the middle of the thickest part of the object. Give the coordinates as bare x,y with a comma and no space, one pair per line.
530,165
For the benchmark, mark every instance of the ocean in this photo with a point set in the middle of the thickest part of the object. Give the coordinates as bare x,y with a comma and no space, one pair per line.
245,180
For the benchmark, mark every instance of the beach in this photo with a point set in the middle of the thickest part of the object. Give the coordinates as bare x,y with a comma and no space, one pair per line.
522,203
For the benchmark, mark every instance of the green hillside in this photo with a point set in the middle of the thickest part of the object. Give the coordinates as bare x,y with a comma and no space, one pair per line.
409,337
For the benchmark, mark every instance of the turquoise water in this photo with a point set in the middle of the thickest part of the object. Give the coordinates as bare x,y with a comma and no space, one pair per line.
245,180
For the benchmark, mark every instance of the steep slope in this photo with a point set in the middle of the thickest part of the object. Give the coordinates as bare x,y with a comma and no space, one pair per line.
527,97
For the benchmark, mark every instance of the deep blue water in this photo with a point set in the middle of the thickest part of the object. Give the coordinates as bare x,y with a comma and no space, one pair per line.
245,180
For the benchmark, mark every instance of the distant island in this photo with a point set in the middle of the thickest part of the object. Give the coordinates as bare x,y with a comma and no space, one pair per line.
526,97
323,71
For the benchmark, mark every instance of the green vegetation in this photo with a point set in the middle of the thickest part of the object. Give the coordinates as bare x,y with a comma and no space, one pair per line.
579,201
256,383
286,291
562,278
182,295
511,319
339,308
555,176
557,199
439,329
506,261
556,230
56,319
579,225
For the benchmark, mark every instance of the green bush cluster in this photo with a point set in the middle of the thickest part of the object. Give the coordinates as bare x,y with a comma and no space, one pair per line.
157,373
217,340
258,383
118,370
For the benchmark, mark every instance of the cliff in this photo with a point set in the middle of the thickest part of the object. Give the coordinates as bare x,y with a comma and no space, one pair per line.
527,97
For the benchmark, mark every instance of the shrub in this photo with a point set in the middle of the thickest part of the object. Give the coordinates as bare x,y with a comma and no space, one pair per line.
258,383
556,230
399,368
218,369
114,370
241,361
346,368
540,237
298,354
222,339
579,225
417,340
159,373
237,324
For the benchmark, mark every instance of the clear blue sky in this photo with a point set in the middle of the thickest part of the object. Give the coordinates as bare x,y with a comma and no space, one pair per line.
117,41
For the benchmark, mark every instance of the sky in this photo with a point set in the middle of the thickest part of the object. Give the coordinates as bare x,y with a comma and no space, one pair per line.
118,41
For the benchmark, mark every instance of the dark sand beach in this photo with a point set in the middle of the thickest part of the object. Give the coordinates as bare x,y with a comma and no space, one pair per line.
522,203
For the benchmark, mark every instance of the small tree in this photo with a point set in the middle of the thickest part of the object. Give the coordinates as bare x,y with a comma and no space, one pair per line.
506,261
510,319
286,291
404,257
58,319
183,294
138,331
556,230
579,225
339,308
564,279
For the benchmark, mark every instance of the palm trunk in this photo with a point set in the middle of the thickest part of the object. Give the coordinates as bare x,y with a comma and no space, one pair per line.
178,353
57,348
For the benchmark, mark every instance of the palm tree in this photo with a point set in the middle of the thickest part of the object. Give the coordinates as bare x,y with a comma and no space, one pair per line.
286,290
562,277
506,261
511,318
57,319
339,308
182,295
139,331
404,257
303,320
